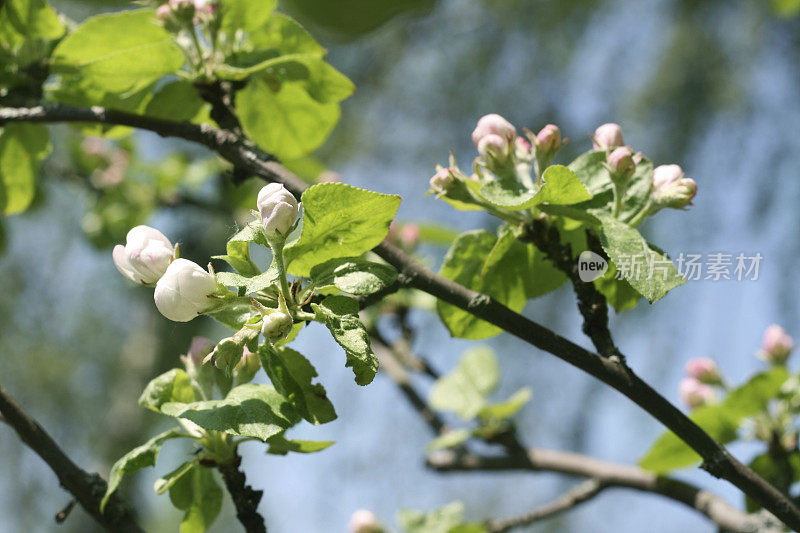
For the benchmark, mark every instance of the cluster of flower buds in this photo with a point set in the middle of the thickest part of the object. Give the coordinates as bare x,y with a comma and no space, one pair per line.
698,388
364,521
145,256
776,346
494,137
175,12
278,209
671,188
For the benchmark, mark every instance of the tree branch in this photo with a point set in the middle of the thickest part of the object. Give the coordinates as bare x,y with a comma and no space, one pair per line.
572,498
88,489
610,475
244,155
245,498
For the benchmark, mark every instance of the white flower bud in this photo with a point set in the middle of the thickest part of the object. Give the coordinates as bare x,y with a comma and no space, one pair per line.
494,124
364,521
493,146
671,188
276,326
548,140
695,394
145,256
278,208
607,136
183,291
704,370
442,181
621,163
776,345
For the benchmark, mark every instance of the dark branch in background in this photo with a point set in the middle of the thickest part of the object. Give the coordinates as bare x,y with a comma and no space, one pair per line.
610,475
245,498
88,489
247,157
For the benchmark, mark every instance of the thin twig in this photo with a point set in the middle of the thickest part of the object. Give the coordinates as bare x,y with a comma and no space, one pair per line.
570,499
88,489
246,157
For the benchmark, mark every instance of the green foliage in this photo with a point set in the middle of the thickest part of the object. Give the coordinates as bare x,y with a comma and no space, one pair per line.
136,459
257,411
178,101
292,376
340,314
721,421
163,484
560,187
24,21
22,149
197,493
447,519
280,445
465,390
245,15
353,17
353,275
171,386
339,221
119,53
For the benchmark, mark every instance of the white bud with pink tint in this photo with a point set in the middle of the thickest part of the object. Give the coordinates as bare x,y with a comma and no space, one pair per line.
442,181
494,124
608,136
704,370
493,147
278,209
183,291
145,256
695,394
671,188
776,345
364,521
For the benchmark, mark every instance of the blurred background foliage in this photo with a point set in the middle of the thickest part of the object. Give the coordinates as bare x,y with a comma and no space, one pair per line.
710,84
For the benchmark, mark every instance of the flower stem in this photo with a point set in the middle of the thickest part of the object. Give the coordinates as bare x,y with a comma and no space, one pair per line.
277,252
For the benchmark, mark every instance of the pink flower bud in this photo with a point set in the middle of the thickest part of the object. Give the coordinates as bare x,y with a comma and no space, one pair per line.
278,209
608,136
671,188
145,256
180,5
522,149
442,181
199,349
493,146
247,367
164,12
695,394
548,140
494,124
704,370
621,163
776,345
183,291
409,235
364,521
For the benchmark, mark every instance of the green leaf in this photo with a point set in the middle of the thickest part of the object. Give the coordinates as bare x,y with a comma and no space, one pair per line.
282,35
197,493
449,439
560,187
339,221
721,421
353,275
248,411
618,292
136,459
627,248
236,311
120,52
447,519
22,149
590,170
171,386
280,445
285,121
775,473
340,314
506,409
238,250
292,375
504,279
26,20
464,389
244,15
163,484
177,101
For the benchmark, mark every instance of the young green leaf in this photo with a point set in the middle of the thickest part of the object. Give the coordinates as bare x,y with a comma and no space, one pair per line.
280,445
340,314
22,149
25,20
245,15
171,386
136,459
353,275
119,52
248,411
560,187
447,519
238,250
464,389
292,376
197,493
506,409
721,421
449,439
651,273
163,484
282,35
339,221
178,101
